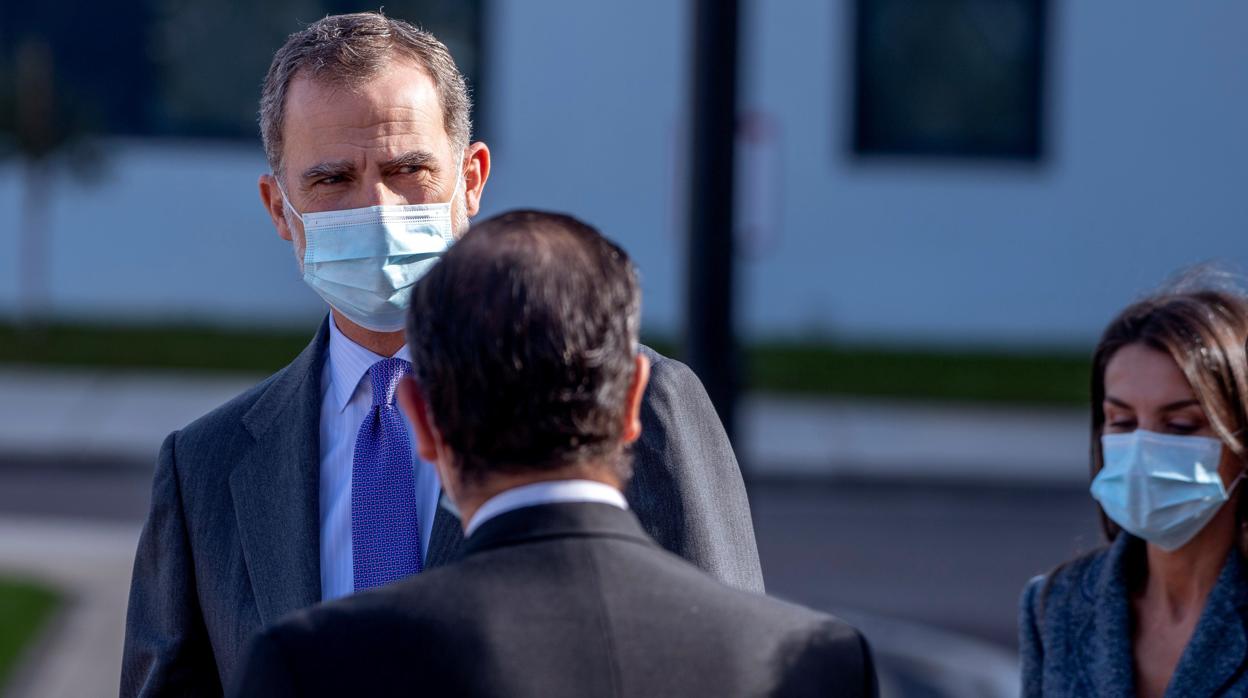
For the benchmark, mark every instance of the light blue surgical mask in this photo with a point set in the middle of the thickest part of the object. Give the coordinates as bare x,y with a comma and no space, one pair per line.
364,261
1161,487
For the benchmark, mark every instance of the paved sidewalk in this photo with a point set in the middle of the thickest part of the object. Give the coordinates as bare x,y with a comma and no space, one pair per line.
866,438
89,563
78,414
94,418
123,416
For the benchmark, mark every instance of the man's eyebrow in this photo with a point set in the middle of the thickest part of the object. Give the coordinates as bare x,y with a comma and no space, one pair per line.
330,168
412,158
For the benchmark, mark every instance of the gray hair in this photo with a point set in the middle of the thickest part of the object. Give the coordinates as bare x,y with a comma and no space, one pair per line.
343,49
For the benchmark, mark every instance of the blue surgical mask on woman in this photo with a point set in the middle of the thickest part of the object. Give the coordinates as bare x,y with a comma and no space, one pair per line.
1162,488
364,261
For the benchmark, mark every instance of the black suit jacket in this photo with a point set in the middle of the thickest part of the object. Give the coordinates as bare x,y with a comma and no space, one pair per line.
559,600
232,540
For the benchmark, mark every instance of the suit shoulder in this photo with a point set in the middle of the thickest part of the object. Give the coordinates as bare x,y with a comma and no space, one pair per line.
819,651
214,439
1069,582
423,606
418,596
813,653
231,412
796,617
675,403
669,374
307,627
766,614
674,389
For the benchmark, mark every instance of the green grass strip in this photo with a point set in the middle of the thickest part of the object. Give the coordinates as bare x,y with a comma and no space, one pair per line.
187,347
1053,378
815,368
24,608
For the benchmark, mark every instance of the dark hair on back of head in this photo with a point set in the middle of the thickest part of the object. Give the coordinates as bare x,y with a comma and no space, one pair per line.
523,339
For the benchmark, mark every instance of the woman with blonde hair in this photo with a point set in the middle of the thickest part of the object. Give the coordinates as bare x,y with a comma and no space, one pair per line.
1163,609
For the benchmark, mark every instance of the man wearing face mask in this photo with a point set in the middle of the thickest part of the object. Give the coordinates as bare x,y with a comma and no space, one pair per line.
307,487
559,592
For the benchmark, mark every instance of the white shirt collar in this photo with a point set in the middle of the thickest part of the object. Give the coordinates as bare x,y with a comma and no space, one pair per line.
348,364
551,492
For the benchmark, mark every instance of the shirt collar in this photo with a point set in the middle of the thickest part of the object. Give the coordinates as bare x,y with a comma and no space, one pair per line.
348,364
550,492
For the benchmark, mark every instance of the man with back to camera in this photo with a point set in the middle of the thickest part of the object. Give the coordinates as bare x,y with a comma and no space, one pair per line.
559,592
264,505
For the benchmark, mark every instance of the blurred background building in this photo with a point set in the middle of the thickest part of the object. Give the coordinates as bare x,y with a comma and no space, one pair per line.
958,172
939,205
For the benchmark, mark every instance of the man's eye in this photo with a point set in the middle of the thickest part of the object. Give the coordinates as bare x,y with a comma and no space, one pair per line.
332,179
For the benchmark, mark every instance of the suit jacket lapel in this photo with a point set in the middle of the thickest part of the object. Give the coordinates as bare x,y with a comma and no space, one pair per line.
275,487
1105,635
1215,656
446,539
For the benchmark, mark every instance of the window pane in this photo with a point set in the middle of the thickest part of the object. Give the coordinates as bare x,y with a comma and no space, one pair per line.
949,77
186,68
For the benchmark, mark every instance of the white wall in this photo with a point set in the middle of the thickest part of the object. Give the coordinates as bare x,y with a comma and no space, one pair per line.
1147,172
167,232
1148,157
584,116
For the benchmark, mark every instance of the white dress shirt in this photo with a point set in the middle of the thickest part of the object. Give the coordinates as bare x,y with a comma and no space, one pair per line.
551,492
347,396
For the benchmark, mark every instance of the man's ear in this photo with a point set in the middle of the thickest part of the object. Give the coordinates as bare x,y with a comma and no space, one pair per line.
275,206
476,171
413,404
632,400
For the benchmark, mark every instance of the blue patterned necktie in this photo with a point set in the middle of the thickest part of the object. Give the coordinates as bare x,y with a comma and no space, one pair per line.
385,534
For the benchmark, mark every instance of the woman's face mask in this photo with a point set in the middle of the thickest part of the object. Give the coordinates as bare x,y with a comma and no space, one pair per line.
1161,487
1164,474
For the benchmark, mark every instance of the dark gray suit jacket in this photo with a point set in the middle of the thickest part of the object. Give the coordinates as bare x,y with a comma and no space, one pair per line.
1075,631
558,600
231,543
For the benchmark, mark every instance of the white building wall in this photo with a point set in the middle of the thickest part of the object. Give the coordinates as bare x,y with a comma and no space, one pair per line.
160,232
1146,172
1148,157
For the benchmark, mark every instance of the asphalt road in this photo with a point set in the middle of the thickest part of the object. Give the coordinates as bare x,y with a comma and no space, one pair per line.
951,556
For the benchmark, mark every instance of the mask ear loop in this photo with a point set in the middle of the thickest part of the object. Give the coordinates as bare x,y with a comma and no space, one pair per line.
286,199
307,242
1235,483
459,179
1241,519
